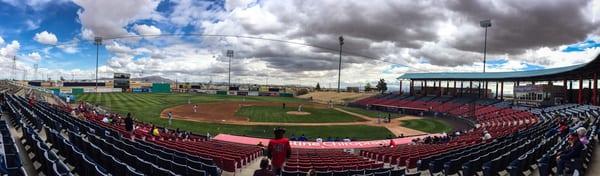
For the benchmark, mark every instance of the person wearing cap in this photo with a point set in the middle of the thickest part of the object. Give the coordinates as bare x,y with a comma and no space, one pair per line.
278,150
486,135
264,169
570,157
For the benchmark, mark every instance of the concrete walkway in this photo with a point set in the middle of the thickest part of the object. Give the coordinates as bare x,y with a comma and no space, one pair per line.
594,167
25,159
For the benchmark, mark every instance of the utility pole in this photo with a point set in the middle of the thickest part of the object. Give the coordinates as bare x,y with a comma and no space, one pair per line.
14,69
485,24
341,40
97,42
35,67
229,55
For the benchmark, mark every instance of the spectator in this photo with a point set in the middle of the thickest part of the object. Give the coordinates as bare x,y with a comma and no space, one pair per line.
570,157
293,137
302,138
581,132
486,135
106,119
329,139
151,130
319,139
563,128
392,143
264,169
178,132
311,172
278,150
128,123
155,132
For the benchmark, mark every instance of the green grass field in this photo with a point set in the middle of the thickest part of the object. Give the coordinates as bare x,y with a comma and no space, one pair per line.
369,113
278,114
428,125
147,107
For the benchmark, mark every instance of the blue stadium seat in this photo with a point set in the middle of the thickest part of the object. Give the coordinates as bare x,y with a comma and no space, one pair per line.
192,171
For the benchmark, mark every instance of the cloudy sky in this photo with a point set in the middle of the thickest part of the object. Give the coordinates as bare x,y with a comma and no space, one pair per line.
292,41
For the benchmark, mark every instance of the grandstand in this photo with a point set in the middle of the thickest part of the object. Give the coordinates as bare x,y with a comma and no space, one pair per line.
42,137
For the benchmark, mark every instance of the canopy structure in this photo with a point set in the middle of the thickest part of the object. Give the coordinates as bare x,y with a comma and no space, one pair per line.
567,75
571,72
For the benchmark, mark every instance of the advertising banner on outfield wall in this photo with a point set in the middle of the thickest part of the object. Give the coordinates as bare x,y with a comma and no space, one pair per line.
321,145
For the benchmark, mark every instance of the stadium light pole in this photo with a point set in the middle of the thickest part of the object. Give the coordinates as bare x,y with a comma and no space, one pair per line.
341,39
229,55
97,42
485,24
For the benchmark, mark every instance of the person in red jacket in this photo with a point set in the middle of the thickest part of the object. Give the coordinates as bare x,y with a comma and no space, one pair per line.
278,150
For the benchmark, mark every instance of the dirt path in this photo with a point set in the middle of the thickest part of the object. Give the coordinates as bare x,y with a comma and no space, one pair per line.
224,113
395,126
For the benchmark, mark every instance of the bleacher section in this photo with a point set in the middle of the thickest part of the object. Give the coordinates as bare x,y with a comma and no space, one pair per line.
331,161
10,162
518,132
60,144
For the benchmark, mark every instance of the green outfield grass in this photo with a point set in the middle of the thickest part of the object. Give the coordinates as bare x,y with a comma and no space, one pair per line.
369,113
278,114
428,125
147,107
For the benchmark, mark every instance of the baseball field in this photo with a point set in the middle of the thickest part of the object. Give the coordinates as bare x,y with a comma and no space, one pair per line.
246,115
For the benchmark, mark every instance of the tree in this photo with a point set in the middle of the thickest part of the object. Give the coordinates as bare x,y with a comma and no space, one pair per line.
368,87
381,86
318,87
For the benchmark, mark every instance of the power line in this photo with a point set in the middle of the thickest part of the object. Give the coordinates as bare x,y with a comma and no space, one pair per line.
349,53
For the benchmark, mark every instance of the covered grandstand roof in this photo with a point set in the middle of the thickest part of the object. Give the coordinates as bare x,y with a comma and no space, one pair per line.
570,72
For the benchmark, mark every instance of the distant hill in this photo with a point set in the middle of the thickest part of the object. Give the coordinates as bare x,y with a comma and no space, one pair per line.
154,79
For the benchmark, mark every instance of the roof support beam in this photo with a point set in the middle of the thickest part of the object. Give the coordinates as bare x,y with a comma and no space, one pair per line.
486,90
461,88
589,98
571,96
454,89
595,91
580,92
565,91
501,90
496,96
400,91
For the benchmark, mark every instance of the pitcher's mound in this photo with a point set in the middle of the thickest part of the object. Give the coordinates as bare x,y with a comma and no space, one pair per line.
298,113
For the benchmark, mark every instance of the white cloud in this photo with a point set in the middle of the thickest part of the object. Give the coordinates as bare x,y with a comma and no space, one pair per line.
108,18
34,4
1,40
31,25
35,56
45,37
146,29
11,49
69,48
427,36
